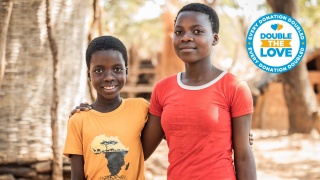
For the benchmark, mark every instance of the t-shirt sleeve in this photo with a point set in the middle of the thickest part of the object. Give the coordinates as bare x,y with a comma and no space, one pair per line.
242,102
155,105
73,143
146,106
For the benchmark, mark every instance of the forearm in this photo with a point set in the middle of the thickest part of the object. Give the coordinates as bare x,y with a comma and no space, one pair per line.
245,167
77,167
151,136
244,162
147,151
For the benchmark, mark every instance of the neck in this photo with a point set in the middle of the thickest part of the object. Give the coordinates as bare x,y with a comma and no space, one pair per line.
198,71
197,74
106,105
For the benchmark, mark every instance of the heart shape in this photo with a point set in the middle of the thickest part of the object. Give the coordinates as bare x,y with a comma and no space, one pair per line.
280,26
274,26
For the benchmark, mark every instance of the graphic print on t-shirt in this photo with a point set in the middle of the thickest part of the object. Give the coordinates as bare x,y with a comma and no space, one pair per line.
114,151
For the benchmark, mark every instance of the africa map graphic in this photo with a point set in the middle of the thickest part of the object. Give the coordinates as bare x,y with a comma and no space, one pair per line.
114,151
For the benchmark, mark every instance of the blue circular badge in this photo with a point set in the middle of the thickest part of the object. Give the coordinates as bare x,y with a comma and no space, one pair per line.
276,43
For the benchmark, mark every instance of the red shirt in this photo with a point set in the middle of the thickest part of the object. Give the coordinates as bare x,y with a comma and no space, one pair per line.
197,124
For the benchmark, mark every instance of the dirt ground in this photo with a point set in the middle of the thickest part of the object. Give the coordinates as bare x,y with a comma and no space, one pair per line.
278,157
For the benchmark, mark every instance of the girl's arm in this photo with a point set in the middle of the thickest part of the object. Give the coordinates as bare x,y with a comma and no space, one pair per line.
243,156
77,167
151,135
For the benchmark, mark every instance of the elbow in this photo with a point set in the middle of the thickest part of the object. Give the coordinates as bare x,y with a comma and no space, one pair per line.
146,155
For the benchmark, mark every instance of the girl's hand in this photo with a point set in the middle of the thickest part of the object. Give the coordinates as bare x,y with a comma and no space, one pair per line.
251,138
82,107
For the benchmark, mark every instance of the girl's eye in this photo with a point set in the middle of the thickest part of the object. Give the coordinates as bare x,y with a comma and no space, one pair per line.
118,69
177,33
198,31
98,71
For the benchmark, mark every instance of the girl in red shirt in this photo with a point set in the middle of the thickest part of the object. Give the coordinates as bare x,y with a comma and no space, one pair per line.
205,113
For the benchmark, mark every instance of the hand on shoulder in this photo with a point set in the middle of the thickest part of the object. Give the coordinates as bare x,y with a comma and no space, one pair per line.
82,107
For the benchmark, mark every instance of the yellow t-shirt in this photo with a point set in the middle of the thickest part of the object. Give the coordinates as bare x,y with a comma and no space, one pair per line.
109,142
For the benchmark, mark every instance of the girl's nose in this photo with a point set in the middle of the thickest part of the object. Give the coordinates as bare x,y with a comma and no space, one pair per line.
109,76
187,37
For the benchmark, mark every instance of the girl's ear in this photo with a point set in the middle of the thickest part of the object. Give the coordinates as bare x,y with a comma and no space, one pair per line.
89,78
215,39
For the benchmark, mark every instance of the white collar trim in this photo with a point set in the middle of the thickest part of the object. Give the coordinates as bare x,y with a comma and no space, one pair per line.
183,86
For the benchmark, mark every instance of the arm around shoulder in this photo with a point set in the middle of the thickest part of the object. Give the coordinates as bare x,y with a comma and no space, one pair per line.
151,135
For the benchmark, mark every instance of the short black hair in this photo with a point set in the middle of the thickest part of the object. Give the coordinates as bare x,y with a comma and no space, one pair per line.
202,8
105,43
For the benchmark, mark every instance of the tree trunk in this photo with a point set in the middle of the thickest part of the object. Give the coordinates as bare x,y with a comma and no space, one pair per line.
299,95
95,31
4,24
25,120
96,25
56,150
300,99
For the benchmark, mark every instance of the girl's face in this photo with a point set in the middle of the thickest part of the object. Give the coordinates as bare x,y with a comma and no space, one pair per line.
107,73
193,37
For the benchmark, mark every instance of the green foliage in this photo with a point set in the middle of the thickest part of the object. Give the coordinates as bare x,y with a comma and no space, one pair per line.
118,19
146,35
309,18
